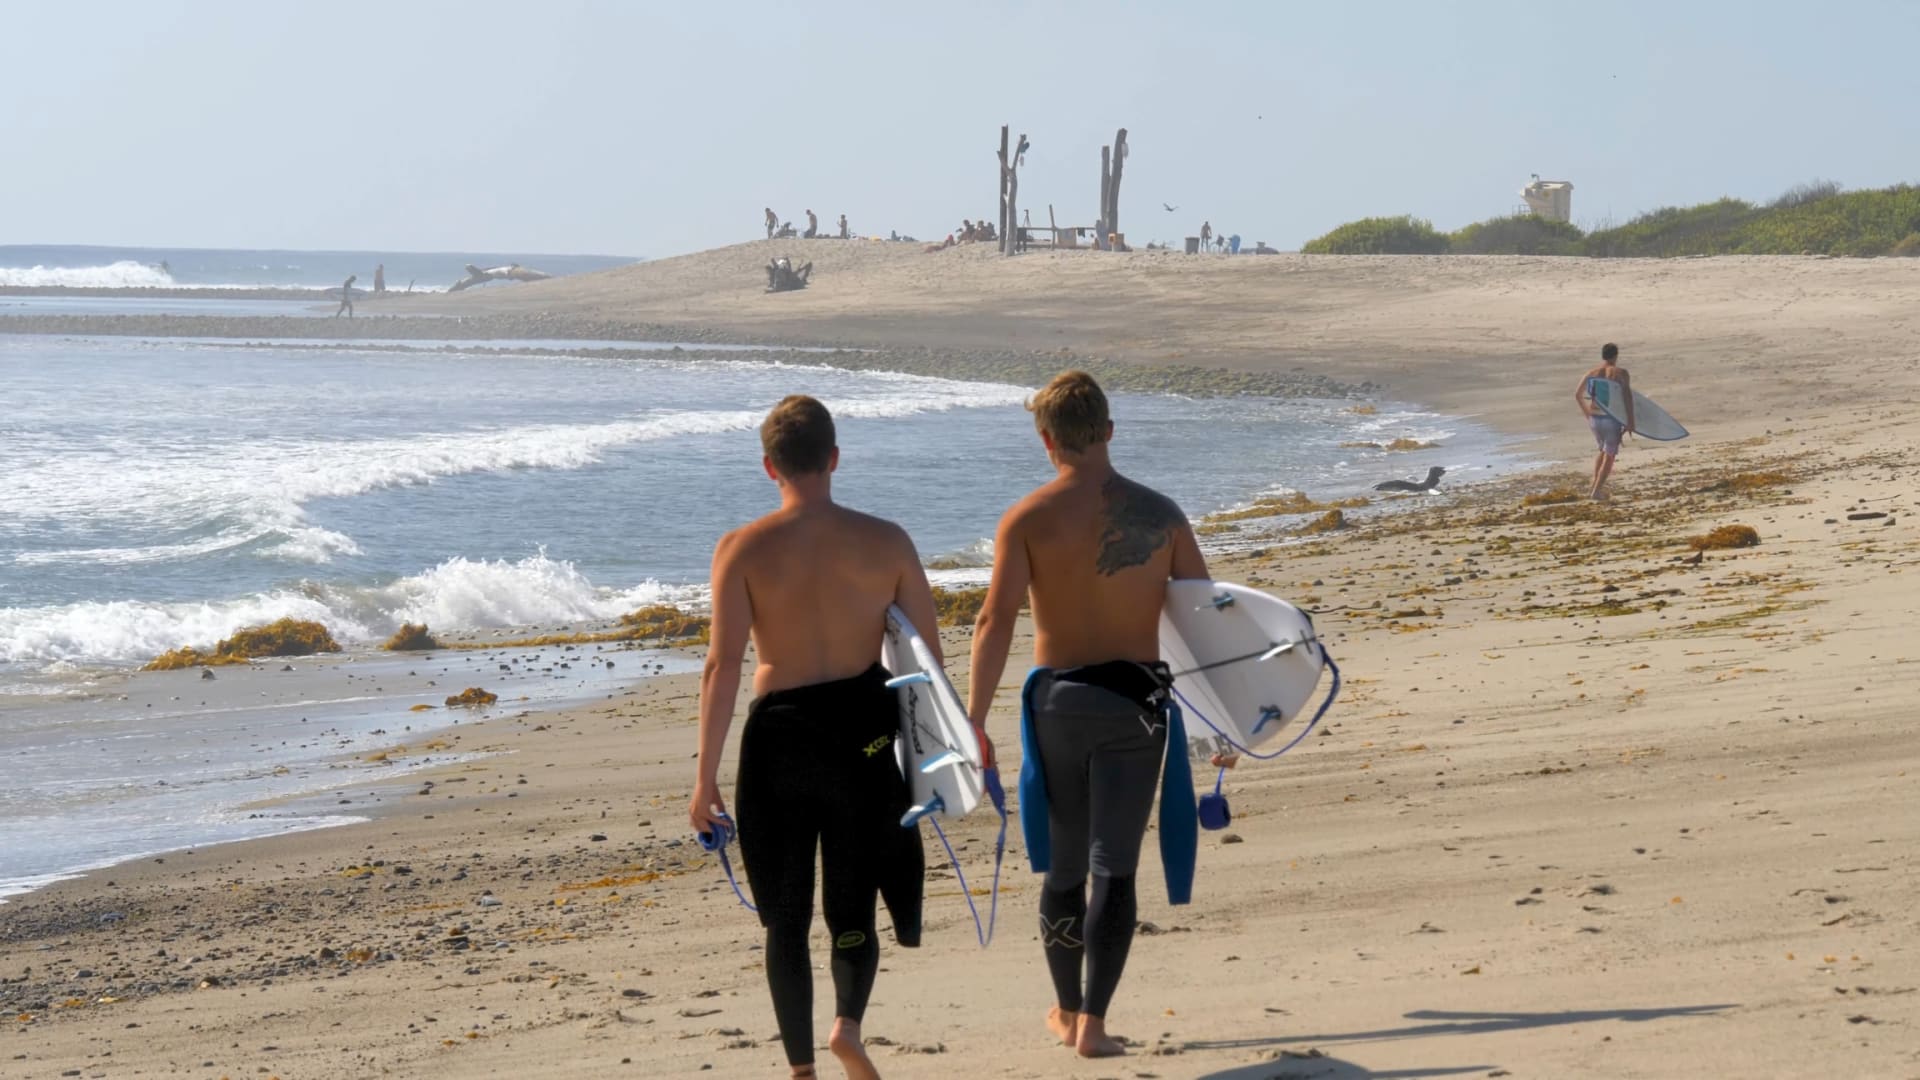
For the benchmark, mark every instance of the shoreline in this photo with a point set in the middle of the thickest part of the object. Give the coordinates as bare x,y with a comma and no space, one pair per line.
1601,803
573,949
380,332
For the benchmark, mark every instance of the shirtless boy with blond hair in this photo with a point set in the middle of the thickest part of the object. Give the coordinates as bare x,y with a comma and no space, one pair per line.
1093,551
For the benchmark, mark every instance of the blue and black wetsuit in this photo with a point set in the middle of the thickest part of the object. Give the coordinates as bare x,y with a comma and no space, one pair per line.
1101,732
817,770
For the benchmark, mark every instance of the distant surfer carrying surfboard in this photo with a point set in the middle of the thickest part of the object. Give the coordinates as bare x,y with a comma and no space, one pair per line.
1093,551
811,583
1606,430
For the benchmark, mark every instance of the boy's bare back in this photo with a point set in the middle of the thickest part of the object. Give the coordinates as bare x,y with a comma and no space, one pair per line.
818,580
1099,553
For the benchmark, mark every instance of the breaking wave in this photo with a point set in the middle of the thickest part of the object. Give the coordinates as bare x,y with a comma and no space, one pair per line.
125,274
458,594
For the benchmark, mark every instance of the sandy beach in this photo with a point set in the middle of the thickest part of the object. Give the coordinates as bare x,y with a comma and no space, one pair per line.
1593,804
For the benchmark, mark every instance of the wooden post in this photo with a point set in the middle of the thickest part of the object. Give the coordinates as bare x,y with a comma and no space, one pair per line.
1003,181
1106,198
1053,226
1010,183
1113,189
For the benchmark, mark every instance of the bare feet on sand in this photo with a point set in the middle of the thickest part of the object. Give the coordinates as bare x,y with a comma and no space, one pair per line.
1093,1040
1064,1025
846,1045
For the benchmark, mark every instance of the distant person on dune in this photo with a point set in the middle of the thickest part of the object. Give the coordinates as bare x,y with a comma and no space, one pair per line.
813,226
844,233
346,297
810,583
1606,430
1206,236
773,222
380,278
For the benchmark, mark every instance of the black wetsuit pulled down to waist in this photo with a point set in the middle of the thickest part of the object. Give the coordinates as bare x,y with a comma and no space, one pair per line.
817,770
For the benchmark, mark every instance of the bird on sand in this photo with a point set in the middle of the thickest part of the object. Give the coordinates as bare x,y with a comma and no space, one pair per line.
1430,483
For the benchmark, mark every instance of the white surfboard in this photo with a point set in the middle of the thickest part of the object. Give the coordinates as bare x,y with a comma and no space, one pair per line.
1245,661
1649,419
936,749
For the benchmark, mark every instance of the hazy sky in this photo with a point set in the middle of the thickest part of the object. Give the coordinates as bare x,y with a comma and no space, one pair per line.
658,128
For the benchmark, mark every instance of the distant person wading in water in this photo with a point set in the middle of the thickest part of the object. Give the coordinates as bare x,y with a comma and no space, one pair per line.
346,297
1606,430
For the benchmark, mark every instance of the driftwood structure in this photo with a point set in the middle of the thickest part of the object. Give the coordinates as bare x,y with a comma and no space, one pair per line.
1113,161
1010,232
782,277
477,276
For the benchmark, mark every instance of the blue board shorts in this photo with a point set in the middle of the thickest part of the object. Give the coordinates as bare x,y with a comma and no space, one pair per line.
1606,432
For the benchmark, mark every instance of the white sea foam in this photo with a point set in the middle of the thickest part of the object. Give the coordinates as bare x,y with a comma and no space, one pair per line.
459,594
125,274
974,555
258,489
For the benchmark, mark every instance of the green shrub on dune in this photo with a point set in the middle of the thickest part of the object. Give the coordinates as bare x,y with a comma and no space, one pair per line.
1403,235
1521,234
1809,219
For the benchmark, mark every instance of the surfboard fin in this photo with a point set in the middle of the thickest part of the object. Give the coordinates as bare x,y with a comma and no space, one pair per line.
1220,602
899,681
913,815
1281,649
1268,713
935,764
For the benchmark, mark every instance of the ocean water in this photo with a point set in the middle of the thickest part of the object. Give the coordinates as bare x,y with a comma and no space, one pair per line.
164,492
176,268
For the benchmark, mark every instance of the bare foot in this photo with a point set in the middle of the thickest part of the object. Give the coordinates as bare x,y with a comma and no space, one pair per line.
1093,1040
846,1045
1064,1025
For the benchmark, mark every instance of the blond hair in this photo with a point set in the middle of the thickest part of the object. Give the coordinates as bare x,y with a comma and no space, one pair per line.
798,436
1071,410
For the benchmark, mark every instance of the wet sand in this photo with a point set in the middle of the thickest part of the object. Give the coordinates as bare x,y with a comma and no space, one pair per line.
1591,805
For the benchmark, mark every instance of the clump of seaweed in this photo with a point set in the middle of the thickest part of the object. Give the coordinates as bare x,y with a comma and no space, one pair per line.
1331,521
411,637
283,637
1724,537
655,622
667,622
958,607
1364,410
1397,444
1555,497
472,697
1293,502
1749,483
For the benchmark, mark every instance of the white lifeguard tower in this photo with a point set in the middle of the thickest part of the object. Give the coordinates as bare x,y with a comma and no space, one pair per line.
1550,199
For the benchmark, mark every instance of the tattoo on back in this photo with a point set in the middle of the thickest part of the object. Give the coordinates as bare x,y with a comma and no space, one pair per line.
1138,522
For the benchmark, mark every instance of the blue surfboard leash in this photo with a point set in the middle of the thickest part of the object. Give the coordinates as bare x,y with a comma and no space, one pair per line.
1333,692
716,842
997,793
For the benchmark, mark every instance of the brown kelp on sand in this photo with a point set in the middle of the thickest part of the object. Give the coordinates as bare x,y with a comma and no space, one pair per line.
662,623
411,637
958,607
1724,537
283,637
1397,444
472,697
